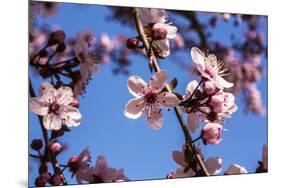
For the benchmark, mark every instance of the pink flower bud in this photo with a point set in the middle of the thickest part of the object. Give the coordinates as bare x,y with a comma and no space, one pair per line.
56,180
159,31
75,102
211,133
209,87
73,163
132,43
217,99
56,148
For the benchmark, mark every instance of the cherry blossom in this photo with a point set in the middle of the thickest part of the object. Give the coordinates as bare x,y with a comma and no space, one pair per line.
213,164
55,107
210,68
149,99
211,133
235,169
161,31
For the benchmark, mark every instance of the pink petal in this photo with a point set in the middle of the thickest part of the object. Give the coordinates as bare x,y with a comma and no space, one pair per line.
64,95
84,158
154,117
52,122
164,45
150,15
167,100
38,106
213,165
158,81
179,158
181,174
193,122
222,83
134,108
45,86
190,88
101,165
136,85
235,169
198,58
70,116
172,31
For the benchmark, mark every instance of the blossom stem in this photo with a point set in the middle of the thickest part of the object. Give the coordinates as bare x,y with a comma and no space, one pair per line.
156,67
197,139
53,160
193,93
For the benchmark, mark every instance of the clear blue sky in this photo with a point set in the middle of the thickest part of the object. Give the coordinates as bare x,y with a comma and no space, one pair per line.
130,144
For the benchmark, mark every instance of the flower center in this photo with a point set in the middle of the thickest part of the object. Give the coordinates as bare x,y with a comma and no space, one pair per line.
209,72
150,98
54,107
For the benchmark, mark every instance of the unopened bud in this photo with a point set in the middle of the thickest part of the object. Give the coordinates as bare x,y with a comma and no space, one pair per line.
36,144
56,37
159,32
56,148
132,43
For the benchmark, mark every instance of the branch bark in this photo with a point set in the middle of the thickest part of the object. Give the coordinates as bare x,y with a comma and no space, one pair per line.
156,67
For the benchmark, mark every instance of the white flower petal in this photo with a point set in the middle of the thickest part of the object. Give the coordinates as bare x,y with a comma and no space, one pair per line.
45,86
235,169
38,106
52,122
70,116
198,57
64,96
167,100
134,108
213,165
136,85
179,158
222,83
150,15
164,45
172,31
193,122
190,88
158,81
154,117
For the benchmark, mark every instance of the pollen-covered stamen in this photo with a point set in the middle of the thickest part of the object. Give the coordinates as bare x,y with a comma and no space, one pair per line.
150,98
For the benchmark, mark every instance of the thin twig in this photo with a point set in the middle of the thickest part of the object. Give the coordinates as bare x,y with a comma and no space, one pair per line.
188,138
52,158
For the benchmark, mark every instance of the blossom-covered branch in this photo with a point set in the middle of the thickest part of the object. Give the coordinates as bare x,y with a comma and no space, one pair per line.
156,67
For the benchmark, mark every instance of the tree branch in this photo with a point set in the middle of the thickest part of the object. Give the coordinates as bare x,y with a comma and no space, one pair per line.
188,138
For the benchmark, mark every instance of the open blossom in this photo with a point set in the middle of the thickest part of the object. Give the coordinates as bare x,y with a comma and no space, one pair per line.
211,133
55,107
213,164
235,169
161,31
210,68
100,173
149,99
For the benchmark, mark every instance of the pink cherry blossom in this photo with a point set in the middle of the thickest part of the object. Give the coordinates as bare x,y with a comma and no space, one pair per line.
209,87
235,169
213,164
161,31
210,68
211,133
149,99
55,107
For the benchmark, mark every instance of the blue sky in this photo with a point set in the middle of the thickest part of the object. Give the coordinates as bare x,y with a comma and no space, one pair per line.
144,153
